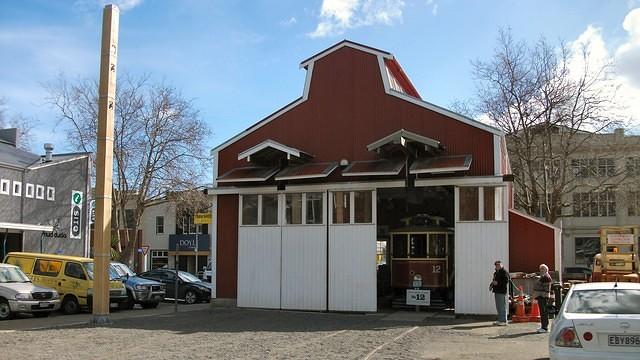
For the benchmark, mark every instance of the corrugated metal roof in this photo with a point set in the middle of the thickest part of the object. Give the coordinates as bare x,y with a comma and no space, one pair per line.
10,155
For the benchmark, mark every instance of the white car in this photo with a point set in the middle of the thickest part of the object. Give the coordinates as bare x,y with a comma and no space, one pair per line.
598,321
19,295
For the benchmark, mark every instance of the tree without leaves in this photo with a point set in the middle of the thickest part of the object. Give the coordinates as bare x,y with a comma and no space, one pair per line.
158,143
549,108
24,125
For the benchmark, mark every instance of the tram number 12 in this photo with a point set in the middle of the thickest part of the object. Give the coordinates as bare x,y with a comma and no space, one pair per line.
436,269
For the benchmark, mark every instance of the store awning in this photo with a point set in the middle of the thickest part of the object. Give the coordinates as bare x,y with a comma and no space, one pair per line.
441,164
26,227
270,150
374,168
306,171
247,174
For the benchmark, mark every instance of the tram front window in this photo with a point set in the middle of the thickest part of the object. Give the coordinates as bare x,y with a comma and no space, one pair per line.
418,246
437,245
400,246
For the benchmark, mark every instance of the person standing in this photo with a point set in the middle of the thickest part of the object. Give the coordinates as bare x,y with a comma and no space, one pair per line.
499,286
542,293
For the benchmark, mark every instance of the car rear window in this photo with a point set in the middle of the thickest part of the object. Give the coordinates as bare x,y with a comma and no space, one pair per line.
604,301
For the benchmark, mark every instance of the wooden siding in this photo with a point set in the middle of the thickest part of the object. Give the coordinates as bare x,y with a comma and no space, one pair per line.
227,247
348,109
531,243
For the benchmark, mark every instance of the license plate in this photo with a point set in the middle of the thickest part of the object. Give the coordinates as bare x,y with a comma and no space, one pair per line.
624,340
43,304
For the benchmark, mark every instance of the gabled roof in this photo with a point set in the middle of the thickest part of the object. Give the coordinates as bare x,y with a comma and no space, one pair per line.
400,137
12,156
287,150
345,43
408,93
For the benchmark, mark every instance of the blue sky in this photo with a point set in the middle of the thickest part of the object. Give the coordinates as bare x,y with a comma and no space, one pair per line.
238,60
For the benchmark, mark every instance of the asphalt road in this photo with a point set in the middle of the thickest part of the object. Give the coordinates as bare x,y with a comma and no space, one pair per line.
201,332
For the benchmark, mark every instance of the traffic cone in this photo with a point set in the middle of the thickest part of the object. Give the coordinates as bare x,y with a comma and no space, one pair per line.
534,316
519,316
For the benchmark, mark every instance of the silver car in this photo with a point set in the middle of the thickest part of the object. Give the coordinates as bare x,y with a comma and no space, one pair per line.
19,295
598,321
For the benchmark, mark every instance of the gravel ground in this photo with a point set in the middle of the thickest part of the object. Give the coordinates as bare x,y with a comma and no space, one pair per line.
263,334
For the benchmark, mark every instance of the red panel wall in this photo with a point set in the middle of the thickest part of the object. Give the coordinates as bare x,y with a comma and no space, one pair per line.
347,109
227,247
530,244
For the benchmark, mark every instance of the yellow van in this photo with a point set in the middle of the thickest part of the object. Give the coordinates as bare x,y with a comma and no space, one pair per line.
71,276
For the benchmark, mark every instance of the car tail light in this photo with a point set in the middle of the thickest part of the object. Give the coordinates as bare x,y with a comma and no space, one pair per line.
567,337
587,336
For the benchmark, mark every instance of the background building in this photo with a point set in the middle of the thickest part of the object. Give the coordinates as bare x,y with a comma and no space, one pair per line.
49,190
603,189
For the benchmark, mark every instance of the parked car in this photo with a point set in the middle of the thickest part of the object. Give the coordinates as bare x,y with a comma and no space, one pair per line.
148,293
190,288
576,273
71,276
598,321
19,295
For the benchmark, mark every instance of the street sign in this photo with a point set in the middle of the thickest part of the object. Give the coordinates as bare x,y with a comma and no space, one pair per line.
92,211
202,218
418,297
145,249
76,215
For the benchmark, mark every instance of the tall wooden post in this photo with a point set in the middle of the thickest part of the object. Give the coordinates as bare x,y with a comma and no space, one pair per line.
104,164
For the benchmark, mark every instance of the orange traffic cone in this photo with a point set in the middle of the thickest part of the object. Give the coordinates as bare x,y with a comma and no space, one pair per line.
534,316
519,316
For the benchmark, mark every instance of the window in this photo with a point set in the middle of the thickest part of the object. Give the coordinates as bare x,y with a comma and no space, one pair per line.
418,245
362,207
4,186
381,252
74,270
51,193
270,209
633,166
29,190
601,203
293,209
551,201
437,245
47,267
400,246
17,188
493,200
159,258
586,249
634,203
604,301
584,168
469,203
40,192
341,207
249,209
314,208
159,224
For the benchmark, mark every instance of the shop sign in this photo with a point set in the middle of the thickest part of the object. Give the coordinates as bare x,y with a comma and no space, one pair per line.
620,239
202,218
418,297
76,214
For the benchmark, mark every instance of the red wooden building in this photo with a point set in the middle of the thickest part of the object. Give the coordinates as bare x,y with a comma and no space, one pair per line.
357,171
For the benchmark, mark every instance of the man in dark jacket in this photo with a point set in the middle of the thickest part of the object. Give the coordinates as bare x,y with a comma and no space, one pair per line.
499,286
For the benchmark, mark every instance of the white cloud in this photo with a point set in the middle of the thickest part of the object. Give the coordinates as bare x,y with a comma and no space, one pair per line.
336,16
434,10
289,22
623,84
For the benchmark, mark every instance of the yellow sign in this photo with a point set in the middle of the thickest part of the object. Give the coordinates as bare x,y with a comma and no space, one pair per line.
202,218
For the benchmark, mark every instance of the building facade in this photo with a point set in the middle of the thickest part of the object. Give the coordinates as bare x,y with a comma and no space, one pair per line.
303,198
43,200
604,192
